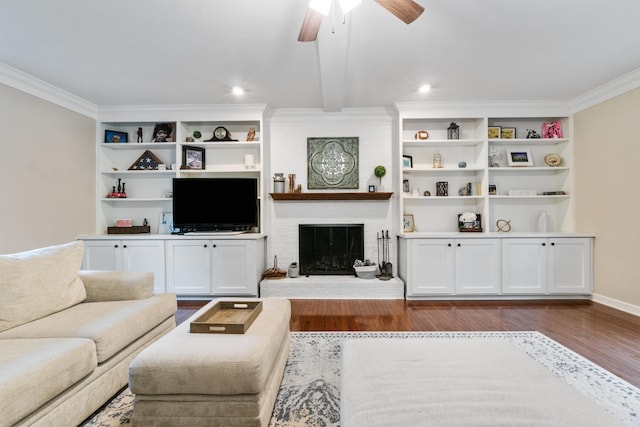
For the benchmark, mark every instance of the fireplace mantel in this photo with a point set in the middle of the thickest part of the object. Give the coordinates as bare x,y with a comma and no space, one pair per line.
330,196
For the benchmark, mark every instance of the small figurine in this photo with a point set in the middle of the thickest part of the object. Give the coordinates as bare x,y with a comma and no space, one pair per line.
532,134
251,135
139,134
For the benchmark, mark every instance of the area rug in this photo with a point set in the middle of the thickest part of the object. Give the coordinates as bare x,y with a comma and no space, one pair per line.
310,395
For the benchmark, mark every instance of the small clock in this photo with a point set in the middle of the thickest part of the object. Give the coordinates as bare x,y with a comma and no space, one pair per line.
221,134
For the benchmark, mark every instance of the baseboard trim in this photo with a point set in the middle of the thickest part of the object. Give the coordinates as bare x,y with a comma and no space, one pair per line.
617,304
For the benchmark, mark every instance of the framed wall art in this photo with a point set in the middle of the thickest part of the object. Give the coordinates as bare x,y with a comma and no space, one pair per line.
332,163
519,157
493,189
115,136
407,161
193,157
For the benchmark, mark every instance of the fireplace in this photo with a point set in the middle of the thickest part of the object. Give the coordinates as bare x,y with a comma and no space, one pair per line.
330,249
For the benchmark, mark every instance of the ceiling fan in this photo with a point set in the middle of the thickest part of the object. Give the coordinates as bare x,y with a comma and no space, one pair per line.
406,10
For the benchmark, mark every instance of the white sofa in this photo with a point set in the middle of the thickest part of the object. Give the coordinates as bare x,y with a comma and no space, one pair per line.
67,336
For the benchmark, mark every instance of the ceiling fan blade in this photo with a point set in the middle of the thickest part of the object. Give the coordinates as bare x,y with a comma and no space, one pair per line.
310,26
407,10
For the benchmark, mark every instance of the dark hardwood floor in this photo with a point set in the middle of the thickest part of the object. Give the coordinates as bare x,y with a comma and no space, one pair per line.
606,336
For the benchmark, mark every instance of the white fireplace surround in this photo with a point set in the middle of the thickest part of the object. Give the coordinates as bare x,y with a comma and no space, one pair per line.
288,154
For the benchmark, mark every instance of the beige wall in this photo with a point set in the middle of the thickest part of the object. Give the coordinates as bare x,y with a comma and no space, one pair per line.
607,199
47,174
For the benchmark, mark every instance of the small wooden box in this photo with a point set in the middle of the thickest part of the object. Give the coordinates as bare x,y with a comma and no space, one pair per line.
135,229
227,317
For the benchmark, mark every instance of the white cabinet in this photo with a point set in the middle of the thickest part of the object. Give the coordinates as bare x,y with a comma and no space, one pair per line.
501,267
477,266
214,267
555,265
450,266
127,255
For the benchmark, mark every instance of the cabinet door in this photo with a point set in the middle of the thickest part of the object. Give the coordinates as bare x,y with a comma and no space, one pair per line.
232,271
189,267
524,266
101,255
432,267
145,255
570,266
477,266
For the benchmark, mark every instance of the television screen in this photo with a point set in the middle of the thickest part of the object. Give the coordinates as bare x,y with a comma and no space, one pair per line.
215,204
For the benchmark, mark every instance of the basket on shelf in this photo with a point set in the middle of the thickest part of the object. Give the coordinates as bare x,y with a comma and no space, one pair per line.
274,272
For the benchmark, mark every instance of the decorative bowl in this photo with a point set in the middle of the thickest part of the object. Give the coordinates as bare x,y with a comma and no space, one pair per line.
366,271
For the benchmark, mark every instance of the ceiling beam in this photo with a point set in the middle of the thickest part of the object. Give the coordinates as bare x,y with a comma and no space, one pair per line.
332,51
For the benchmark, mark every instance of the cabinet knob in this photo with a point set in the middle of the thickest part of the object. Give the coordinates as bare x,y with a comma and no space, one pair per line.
124,246
458,244
205,245
449,244
553,243
214,246
115,246
544,244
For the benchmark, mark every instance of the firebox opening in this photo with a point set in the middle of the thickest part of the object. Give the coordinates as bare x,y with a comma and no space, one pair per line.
330,249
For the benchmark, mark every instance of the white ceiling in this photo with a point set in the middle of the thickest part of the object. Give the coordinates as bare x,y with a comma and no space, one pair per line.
168,52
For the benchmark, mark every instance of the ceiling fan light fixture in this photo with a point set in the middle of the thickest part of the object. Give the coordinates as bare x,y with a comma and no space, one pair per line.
424,89
321,6
348,5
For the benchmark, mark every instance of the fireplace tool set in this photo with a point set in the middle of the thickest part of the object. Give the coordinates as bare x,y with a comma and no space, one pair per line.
386,268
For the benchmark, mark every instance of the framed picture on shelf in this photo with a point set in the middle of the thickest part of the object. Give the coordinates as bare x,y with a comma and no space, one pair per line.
405,186
494,132
469,222
164,132
493,189
193,157
519,158
508,133
115,136
408,225
552,130
407,161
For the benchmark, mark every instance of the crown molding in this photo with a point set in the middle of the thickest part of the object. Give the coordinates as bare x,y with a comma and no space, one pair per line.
26,83
607,91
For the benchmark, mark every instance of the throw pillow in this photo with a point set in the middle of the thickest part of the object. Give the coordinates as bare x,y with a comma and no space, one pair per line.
40,282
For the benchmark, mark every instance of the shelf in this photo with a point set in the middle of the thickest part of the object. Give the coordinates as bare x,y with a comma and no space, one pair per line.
140,173
330,196
135,199
441,170
530,169
440,142
530,141
137,145
223,144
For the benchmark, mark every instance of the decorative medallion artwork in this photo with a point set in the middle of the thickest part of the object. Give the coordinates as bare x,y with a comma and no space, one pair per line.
332,163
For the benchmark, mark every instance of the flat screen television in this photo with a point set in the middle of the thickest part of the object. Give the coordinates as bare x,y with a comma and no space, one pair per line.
215,204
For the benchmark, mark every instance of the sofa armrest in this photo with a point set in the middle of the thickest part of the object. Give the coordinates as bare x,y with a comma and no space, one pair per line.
116,285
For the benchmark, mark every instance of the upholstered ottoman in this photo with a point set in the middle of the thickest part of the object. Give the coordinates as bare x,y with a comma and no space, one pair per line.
206,379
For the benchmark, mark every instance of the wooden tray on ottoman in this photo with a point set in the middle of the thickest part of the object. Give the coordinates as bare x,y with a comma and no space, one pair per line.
227,317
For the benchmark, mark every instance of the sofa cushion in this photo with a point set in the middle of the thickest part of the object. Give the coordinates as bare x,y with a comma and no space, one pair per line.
36,283
33,371
112,325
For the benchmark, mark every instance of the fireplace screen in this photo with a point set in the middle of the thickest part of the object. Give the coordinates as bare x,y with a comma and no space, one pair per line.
330,249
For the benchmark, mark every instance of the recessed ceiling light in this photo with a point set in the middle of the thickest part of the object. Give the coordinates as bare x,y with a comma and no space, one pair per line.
237,90
424,89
